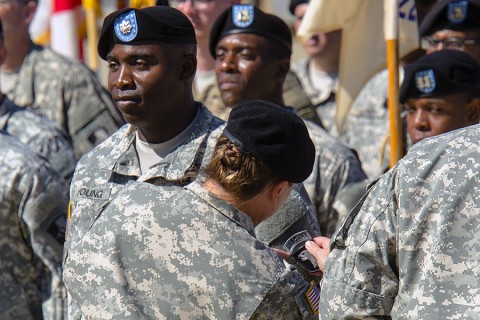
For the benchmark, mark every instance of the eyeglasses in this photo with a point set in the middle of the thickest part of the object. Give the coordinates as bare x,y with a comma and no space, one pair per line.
197,4
449,43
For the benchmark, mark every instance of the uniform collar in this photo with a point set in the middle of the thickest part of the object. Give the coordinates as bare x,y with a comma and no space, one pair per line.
231,212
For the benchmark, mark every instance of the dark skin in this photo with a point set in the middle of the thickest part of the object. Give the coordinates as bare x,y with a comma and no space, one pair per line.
246,69
428,117
152,87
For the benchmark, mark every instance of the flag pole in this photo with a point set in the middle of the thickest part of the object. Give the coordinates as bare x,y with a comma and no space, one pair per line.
91,8
391,38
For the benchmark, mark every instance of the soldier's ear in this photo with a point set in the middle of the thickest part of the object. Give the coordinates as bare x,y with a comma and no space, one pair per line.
473,111
29,11
188,67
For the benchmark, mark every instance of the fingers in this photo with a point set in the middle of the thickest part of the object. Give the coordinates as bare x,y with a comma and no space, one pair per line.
319,248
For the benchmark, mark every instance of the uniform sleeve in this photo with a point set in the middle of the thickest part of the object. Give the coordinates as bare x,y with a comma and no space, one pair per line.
92,115
361,273
344,174
43,211
290,298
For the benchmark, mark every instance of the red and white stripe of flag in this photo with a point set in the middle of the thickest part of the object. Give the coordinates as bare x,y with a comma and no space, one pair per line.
64,28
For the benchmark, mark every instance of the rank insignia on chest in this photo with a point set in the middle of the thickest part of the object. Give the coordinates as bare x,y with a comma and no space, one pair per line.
125,25
242,15
457,11
425,81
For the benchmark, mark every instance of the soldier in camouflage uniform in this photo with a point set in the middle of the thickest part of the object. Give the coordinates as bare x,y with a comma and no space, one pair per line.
191,253
203,14
45,137
240,78
159,107
414,241
318,72
33,206
367,125
440,93
52,85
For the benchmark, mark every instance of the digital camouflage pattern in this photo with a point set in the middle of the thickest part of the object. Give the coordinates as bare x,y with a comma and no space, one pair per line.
179,253
323,102
335,168
415,241
68,93
368,125
33,207
44,136
104,171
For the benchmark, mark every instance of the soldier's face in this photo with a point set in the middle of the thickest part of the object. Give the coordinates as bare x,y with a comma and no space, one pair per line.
471,49
202,15
245,69
144,82
428,117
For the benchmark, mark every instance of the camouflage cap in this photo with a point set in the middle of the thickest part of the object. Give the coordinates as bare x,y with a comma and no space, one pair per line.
459,15
142,26
246,18
274,135
441,73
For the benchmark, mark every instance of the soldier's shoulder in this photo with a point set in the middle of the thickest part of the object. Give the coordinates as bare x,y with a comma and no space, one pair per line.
48,63
107,148
326,143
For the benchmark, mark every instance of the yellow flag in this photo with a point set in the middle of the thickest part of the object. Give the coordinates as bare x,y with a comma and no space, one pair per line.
141,3
363,49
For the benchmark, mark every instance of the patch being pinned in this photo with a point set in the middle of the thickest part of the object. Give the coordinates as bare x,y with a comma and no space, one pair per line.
457,11
425,81
125,25
242,15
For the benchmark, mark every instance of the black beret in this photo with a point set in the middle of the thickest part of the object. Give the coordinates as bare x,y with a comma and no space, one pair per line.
147,25
295,3
275,136
440,73
459,15
247,18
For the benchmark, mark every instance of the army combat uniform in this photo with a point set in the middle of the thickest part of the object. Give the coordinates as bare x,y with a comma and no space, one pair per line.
68,93
323,102
181,253
415,240
33,206
44,136
102,173
367,125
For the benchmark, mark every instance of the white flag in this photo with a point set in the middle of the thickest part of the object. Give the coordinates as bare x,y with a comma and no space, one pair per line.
363,49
